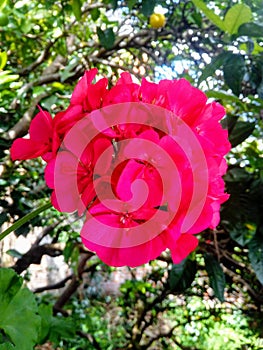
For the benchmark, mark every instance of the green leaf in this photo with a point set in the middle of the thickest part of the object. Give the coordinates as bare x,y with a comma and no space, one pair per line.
255,255
24,220
236,16
95,14
210,14
114,4
229,122
45,312
7,346
242,233
237,174
48,102
18,317
3,218
106,37
216,276
251,29
182,275
131,3
14,253
53,328
74,259
68,71
3,59
176,274
260,89
26,26
234,70
221,95
5,77
76,7
3,4
215,64
240,132
67,251
61,328
148,7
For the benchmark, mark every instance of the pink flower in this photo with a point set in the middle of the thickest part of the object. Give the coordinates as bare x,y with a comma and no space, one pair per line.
40,141
120,222
144,161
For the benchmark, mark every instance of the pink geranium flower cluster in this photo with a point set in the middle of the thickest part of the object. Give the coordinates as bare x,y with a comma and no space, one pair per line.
143,158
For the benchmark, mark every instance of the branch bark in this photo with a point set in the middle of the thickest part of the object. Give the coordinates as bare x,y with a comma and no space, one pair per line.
74,284
34,256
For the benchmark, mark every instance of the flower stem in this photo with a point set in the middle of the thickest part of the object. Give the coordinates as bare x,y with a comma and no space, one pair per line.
24,219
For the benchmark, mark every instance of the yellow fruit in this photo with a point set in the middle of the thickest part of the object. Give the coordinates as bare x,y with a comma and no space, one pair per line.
157,20
3,20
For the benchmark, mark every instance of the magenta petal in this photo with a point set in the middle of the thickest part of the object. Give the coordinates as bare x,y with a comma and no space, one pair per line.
98,209
65,181
49,173
64,121
183,247
100,145
186,101
125,78
96,92
148,91
133,256
79,93
40,129
128,175
86,197
26,149
203,221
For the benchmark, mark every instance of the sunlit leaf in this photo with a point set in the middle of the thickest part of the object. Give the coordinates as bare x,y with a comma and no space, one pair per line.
221,95
3,59
5,77
210,14
3,4
76,7
236,16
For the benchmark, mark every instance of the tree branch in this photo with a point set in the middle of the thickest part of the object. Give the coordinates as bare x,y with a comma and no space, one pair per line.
34,256
57,285
74,284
